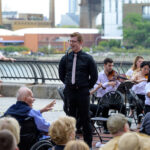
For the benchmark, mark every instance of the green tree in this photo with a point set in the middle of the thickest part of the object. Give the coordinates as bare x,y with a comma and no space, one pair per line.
136,31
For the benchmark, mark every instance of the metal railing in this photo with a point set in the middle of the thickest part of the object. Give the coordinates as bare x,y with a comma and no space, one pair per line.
42,71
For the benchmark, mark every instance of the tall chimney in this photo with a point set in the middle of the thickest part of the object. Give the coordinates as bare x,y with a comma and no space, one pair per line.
52,12
0,13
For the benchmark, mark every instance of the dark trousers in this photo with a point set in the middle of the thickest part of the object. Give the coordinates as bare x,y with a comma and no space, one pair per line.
79,103
140,106
147,109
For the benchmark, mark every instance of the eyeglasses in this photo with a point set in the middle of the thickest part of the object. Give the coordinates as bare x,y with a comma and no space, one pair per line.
71,41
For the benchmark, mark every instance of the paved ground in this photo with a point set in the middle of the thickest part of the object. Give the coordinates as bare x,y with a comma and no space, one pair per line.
6,102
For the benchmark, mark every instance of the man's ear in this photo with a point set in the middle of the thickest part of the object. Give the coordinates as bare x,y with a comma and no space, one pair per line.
126,127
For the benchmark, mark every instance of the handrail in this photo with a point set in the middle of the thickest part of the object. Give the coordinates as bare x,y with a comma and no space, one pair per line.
42,71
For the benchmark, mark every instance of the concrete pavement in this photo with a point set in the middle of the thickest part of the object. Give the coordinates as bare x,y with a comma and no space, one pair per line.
6,102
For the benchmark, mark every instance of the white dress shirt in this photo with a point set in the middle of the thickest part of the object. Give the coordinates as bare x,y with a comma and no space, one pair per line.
140,87
102,78
147,90
129,73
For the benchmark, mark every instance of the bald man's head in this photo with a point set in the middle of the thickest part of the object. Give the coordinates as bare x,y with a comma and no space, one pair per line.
25,94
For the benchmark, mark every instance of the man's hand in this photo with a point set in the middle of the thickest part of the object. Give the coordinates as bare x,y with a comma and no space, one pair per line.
112,83
48,107
12,59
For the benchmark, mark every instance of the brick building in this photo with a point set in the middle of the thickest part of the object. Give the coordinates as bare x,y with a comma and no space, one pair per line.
35,38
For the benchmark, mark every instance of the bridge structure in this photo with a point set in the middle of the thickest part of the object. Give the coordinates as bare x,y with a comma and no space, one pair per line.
89,10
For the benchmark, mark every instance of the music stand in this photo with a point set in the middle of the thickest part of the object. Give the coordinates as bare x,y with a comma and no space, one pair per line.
124,88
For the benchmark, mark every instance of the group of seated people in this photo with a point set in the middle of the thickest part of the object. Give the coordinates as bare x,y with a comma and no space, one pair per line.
63,130
22,126
109,80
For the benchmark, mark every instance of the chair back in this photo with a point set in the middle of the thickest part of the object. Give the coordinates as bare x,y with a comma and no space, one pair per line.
29,134
112,98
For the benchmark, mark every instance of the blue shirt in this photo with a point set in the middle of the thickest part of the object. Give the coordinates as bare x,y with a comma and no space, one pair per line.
40,122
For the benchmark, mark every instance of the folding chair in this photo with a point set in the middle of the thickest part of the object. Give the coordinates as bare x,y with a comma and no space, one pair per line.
111,99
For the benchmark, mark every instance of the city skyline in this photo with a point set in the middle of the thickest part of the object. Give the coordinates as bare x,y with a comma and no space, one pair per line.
41,7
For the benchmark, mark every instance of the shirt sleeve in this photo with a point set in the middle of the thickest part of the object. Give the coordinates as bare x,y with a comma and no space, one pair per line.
40,122
147,88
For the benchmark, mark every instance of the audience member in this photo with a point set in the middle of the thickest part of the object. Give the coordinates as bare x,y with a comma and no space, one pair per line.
76,145
62,131
145,126
117,125
31,121
7,140
12,125
132,141
2,57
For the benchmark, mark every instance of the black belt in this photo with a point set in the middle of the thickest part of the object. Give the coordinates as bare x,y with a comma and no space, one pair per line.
75,87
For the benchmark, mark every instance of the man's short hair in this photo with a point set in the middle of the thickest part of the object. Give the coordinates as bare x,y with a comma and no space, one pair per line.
7,140
108,60
116,123
78,35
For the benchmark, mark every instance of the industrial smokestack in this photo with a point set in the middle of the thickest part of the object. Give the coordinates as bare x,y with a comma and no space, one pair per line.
0,13
52,12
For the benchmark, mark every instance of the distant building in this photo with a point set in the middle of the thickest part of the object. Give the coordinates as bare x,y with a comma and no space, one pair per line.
9,14
141,7
73,6
0,13
35,38
70,19
112,18
28,16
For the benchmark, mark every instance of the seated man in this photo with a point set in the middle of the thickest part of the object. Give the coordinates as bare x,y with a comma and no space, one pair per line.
7,140
22,111
107,82
145,127
133,141
117,125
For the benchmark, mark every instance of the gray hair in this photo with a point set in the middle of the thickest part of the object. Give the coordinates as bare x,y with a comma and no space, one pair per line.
116,123
22,93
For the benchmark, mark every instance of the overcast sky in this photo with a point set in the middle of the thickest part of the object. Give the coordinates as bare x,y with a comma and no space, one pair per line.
36,6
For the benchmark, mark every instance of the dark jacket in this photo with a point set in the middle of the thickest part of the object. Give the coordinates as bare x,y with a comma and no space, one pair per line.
86,70
29,133
20,111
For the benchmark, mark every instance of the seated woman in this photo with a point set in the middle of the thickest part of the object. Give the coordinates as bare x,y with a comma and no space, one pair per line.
62,131
140,80
147,96
135,67
12,125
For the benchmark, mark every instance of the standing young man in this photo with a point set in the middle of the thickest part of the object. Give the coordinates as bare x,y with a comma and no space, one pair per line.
78,72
